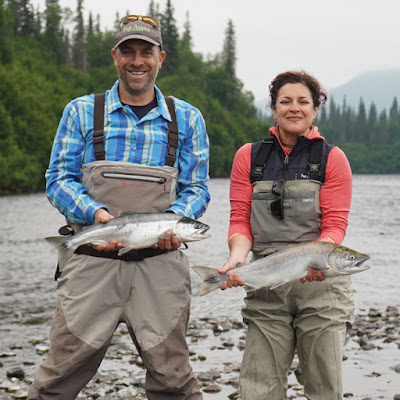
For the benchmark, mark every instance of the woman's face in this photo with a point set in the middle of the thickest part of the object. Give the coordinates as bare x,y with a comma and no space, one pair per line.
294,111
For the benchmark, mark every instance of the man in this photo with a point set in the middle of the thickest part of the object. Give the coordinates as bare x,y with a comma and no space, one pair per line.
126,159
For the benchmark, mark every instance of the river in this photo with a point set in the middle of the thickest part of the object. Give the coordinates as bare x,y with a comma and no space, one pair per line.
27,288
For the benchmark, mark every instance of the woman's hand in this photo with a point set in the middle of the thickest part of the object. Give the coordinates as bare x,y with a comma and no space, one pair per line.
233,279
313,274
239,246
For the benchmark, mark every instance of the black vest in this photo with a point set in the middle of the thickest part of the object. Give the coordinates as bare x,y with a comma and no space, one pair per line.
306,161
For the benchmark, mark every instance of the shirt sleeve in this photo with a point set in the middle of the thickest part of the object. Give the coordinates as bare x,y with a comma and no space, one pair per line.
192,191
63,177
335,196
241,191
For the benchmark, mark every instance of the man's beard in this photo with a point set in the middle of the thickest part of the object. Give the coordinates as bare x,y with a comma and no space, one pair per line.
133,89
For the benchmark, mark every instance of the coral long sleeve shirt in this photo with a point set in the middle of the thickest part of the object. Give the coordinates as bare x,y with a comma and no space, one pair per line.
335,195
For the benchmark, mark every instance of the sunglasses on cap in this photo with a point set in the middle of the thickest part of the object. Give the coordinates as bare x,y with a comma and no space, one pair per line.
132,18
277,205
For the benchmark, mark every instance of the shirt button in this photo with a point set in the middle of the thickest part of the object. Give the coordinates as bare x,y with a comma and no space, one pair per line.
135,148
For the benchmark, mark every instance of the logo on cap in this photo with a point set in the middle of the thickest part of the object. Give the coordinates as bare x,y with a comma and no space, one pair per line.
135,28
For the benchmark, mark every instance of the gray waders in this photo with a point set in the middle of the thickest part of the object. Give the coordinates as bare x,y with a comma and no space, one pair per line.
151,295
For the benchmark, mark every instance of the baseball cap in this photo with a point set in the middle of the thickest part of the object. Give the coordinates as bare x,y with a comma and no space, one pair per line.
138,27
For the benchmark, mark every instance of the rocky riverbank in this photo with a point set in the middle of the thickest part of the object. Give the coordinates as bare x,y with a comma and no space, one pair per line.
216,350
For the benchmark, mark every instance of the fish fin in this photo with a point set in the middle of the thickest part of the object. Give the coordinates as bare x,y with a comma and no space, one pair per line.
124,250
64,253
249,288
276,285
211,279
285,286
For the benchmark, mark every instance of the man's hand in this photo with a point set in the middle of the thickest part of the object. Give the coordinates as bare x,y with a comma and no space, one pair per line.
168,242
102,217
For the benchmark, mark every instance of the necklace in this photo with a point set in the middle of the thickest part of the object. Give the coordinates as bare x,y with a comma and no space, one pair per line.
288,145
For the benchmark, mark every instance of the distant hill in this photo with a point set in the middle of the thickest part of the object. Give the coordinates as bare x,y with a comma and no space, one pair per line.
381,87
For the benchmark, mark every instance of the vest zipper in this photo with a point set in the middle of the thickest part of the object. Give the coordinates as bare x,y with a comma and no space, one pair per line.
285,166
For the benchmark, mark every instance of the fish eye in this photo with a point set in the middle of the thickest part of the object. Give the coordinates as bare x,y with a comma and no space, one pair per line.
197,226
352,258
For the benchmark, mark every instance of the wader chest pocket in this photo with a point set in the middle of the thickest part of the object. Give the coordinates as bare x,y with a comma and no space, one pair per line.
122,186
134,177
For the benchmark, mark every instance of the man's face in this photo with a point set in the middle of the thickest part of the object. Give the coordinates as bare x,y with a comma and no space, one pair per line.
137,63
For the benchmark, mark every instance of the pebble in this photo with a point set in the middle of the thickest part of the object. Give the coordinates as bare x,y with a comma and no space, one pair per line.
212,388
20,395
42,349
396,368
18,373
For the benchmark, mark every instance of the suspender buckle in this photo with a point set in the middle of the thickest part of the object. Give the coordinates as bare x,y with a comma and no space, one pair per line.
171,153
258,171
98,137
314,170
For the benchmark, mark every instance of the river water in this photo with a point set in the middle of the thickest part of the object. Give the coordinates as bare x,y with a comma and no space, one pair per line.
27,288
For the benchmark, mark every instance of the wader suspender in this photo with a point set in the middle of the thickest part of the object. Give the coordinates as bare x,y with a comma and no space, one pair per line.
98,126
261,160
314,159
98,130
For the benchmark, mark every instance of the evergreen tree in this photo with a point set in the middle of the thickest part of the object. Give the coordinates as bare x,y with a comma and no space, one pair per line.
78,47
361,124
5,34
187,32
24,20
383,128
170,41
372,124
394,122
90,26
229,51
334,115
117,21
154,10
394,111
97,27
53,36
322,119
347,117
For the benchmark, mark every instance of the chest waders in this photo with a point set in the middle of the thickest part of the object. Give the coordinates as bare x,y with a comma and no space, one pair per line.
149,290
311,318
301,175
124,187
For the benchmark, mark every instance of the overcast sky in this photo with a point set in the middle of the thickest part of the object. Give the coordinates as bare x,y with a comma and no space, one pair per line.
333,39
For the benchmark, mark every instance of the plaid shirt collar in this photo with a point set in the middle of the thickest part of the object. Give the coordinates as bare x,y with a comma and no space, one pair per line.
114,103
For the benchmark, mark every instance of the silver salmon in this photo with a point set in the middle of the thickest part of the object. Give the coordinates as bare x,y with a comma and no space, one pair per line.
133,230
288,265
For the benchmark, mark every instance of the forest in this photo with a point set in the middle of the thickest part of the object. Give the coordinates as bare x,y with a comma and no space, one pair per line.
43,65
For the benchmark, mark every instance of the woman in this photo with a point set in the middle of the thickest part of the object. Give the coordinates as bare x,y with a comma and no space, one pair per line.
292,188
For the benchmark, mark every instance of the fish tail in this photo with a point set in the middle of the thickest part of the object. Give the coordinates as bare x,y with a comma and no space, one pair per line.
211,279
59,243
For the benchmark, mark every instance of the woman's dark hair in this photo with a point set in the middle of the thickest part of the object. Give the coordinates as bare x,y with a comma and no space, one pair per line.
317,93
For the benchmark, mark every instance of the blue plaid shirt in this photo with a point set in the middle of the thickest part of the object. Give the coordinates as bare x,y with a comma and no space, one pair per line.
130,140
